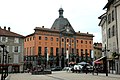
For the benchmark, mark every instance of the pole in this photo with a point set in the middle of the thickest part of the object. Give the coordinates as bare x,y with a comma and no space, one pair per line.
2,76
106,66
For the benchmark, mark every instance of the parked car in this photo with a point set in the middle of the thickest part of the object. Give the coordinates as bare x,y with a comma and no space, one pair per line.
89,68
77,68
57,68
65,69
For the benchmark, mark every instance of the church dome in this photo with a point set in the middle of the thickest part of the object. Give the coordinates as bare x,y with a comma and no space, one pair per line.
61,22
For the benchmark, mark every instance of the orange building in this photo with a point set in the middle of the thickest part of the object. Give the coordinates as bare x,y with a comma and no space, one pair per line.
57,46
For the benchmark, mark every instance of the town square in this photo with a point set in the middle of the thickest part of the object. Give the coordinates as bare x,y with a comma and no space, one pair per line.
60,40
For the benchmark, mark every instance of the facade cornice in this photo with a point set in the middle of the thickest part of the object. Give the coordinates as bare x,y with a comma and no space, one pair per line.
116,3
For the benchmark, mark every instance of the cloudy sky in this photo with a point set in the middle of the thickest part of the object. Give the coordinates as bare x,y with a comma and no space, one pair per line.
24,15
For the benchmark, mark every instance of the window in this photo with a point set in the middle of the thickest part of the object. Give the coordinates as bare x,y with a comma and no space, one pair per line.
85,42
113,15
81,41
57,50
86,52
39,50
62,40
16,48
46,38
77,41
67,40
27,39
51,38
109,33
113,30
57,39
16,40
81,52
109,18
39,37
90,53
4,39
90,42
51,50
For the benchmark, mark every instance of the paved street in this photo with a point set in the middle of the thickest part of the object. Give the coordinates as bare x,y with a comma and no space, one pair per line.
62,75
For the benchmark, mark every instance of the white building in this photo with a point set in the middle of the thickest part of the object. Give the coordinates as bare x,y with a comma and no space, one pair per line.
110,26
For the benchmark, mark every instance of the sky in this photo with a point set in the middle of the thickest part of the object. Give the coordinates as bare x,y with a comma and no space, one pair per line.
22,16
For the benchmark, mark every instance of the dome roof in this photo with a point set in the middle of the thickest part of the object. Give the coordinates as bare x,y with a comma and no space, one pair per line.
61,22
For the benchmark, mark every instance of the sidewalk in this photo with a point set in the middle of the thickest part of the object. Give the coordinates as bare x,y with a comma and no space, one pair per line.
109,75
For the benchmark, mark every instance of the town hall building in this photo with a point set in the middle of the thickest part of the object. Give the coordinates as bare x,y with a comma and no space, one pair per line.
58,46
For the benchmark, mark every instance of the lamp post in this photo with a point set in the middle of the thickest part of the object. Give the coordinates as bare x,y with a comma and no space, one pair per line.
2,76
4,61
105,59
6,67
60,48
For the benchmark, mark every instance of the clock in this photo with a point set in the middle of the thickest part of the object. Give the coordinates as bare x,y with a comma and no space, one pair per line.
67,29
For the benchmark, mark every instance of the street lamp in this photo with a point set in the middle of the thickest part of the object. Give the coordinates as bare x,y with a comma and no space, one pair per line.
105,59
2,76
4,62
61,62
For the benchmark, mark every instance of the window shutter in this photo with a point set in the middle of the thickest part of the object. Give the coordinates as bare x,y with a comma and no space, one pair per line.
13,49
8,48
0,39
18,48
6,39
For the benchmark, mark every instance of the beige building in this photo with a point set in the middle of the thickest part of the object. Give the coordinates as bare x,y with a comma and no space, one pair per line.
97,49
110,26
14,47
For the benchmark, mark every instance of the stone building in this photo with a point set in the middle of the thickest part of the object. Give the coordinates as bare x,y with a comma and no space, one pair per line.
57,46
110,26
97,49
14,45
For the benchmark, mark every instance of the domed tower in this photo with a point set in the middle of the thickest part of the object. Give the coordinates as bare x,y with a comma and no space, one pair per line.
62,23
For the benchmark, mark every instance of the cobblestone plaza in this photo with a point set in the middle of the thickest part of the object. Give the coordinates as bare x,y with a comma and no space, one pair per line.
63,75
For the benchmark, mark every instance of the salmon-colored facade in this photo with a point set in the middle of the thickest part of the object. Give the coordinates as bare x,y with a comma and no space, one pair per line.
56,44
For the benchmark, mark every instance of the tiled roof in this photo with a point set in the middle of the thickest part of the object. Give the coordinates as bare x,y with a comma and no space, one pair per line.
57,31
4,32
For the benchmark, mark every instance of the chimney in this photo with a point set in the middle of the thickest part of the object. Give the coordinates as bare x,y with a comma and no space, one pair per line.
78,31
42,26
87,33
8,28
5,27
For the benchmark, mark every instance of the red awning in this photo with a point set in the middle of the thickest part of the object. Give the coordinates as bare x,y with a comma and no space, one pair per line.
98,62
